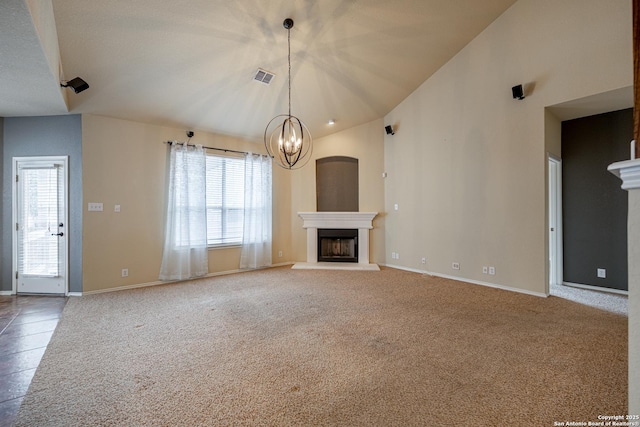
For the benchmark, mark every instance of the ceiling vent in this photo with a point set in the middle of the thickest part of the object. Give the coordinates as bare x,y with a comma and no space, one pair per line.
263,76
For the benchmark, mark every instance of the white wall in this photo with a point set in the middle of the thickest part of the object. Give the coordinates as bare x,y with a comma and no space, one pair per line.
467,165
125,163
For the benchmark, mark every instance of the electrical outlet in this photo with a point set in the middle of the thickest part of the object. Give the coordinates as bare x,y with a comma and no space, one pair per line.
280,254
423,261
395,207
393,255
485,270
455,265
602,273
116,208
397,255
125,272
492,271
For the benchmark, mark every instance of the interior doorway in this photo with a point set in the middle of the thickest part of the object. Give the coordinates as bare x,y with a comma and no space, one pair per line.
555,221
40,215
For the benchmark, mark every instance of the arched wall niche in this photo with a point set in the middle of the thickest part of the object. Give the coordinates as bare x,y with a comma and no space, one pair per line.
337,184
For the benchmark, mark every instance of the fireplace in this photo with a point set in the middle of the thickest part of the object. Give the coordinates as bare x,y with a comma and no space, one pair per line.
337,245
356,224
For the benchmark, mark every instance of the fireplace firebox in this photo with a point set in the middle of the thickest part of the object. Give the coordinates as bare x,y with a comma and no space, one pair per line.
337,245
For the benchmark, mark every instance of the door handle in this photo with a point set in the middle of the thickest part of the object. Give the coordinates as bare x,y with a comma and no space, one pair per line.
58,234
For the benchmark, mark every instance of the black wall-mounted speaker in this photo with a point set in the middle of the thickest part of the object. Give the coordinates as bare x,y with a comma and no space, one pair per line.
518,92
389,130
77,85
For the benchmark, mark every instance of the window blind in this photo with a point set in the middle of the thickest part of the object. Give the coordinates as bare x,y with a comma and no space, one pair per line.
38,220
225,200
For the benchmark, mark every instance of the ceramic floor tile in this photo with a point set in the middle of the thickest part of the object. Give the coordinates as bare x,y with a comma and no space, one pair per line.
8,310
51,314
10,344
8,411
15,385
33,308
19,330
22,361
4,322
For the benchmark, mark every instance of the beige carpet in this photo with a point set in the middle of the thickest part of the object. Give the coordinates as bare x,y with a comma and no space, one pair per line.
301,347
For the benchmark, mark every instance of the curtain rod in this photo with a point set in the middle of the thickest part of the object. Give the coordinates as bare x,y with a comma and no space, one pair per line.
226,150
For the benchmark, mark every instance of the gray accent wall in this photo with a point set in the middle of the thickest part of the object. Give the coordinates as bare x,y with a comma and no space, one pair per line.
337,185
44,136
594,207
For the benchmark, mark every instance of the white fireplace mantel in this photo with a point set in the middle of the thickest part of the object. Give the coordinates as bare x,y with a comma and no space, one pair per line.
628,171
338,220
362,221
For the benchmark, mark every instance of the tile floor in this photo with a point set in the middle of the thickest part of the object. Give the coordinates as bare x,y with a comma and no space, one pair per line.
26,326
614,303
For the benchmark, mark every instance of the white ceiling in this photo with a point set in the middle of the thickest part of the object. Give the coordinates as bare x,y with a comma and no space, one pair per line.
190,63
28,85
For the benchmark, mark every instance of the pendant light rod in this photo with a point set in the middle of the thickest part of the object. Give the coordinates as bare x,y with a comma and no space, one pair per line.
290,144
288,25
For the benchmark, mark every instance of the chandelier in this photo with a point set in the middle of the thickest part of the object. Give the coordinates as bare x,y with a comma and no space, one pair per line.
288,141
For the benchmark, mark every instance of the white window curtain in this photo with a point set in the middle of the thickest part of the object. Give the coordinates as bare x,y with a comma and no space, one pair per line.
185,242
256,236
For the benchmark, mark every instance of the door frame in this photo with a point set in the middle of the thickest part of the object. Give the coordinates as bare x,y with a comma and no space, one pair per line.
14,215
555,206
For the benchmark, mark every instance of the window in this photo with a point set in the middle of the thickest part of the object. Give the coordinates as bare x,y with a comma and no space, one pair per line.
225,200
39,218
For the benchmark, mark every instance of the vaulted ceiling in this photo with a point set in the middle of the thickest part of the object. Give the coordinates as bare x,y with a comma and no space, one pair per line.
191,63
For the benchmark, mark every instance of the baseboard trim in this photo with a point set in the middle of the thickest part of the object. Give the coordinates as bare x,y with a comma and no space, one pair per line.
474,282
160,282
126,287
398,267
74,294
6,293
282,264
596,288
412,270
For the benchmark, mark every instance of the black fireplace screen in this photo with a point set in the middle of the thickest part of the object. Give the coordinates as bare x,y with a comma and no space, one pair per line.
337,245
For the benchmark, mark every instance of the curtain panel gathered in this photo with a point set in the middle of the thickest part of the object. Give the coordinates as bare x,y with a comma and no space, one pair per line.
185,246
256,236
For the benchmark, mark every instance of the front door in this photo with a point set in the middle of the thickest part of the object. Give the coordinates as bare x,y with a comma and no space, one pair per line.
40,230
